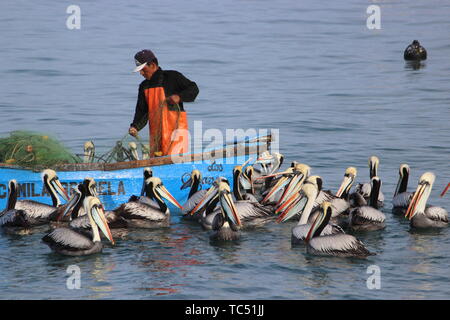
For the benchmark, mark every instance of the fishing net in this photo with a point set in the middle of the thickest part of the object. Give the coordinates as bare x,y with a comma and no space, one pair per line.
32,149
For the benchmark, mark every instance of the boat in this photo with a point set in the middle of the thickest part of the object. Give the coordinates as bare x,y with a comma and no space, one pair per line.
116,182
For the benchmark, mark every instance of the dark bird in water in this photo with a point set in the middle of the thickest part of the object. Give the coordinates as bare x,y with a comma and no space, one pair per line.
339,244
415,52
419,214
69,242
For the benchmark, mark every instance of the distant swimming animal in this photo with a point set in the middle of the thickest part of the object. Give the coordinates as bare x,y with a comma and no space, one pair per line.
415,52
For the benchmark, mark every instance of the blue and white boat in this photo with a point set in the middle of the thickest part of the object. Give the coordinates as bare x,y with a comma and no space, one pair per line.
116,182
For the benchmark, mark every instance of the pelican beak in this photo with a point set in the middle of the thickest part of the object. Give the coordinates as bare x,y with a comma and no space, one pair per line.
70,205
445,190
187,184
98,214
276,174
229,209
294,186
60,189
295,206
280,184
210,194
166,194
411,211
346,182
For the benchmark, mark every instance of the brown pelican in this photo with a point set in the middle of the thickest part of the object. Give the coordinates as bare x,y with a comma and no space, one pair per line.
251,213
36,213
195,195
13,220
89,152
340,201
340,244
445,190
415,52
365,189
402,198
226,223
269,163
418,213
141,214
289,183
68,242
304,205
368,218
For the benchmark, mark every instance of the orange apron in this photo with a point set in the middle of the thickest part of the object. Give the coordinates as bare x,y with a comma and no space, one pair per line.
168,126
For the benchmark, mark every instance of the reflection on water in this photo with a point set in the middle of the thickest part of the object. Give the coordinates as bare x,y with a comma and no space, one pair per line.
415,65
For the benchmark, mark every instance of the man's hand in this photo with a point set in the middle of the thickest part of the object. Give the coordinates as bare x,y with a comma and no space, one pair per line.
133,131
173,99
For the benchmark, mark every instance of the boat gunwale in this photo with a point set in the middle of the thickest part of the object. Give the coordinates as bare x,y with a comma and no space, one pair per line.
234,150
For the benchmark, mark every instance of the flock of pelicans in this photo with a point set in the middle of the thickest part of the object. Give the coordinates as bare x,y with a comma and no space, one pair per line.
261,193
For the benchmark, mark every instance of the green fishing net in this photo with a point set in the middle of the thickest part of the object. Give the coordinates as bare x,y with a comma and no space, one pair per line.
32,149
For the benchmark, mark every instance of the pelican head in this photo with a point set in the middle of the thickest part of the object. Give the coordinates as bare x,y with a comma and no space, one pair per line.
321,221
157,190
373,166
347,182
210,195
75,201
195,177
423,191
403,176
53,184
89,150
315,180
228,208
96,213
91,186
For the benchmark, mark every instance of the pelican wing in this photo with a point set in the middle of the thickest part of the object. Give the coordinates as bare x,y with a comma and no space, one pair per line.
81,222
368,214
67,238
14,218
140,210
402,200
193,201
301,231
249,210
338,244
437,214
35,210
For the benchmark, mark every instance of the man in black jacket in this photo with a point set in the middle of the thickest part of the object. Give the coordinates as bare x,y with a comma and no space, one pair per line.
160,102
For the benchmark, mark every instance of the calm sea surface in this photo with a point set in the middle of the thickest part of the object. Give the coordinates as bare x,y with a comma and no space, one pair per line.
337,91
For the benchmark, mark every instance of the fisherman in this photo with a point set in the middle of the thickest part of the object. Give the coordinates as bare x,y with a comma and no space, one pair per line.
160,101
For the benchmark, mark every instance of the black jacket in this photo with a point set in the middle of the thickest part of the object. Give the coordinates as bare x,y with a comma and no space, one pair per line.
173,82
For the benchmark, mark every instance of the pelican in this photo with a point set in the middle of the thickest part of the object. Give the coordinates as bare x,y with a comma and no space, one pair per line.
288,184
421,216
68,242
340,201
226,224
368,218
89,152
250,213
341,244
11,218
195,195
141,214
36,213
80,222
269,163
401,198
304,204
365,189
